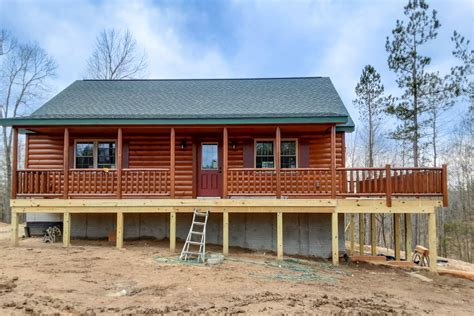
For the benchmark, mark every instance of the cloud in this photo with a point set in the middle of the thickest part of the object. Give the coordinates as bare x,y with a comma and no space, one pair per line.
215,39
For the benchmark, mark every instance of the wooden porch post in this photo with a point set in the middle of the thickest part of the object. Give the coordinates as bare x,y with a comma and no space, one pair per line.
225,233
278,162
361,233
225,154
119,163
352,233
172,231
66,164
66,229
172,161
333,161
396,232
432,240
335,238
15,223
119,234
14,184
373,234
408,237
445,184
280,235
388,185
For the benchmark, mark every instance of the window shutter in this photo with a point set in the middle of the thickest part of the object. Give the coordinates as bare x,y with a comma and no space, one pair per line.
248,153
303,153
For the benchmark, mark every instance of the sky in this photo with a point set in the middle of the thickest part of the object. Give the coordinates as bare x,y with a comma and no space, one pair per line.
235,39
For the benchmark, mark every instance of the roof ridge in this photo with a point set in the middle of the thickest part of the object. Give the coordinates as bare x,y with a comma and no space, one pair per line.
207,79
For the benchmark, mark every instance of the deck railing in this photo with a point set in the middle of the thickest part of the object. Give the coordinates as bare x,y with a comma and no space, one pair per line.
294,182
145,182
40,182
306,181
251,181
92,182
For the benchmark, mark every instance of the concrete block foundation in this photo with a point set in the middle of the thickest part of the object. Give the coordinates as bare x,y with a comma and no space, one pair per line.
303,234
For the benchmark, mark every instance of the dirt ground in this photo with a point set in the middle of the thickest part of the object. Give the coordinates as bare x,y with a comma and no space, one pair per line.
93,277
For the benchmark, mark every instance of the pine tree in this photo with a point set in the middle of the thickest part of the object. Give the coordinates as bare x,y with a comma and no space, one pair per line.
371,103
407,62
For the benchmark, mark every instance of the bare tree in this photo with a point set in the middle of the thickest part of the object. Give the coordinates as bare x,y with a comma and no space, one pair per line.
24,71
116,57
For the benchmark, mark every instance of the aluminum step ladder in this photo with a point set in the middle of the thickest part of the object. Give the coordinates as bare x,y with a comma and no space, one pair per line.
196,238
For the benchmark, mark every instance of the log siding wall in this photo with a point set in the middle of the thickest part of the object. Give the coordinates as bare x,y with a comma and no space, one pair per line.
153,151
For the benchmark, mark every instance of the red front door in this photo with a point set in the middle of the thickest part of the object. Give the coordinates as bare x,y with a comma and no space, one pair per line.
209,170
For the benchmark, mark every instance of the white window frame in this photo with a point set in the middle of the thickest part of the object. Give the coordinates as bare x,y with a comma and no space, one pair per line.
273,140
95,150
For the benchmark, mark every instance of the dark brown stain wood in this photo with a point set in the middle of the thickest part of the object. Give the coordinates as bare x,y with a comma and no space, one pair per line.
66,164
14,164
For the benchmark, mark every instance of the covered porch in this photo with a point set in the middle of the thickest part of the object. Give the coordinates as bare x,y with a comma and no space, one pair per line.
213,161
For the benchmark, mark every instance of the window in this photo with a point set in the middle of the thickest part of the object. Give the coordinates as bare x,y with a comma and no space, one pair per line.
85,155
265,155
288,154
106,155
209,157
95,154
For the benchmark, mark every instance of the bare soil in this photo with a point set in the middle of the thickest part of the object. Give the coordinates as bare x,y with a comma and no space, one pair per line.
93,277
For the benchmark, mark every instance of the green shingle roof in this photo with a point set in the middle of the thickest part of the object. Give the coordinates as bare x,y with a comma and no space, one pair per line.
197,99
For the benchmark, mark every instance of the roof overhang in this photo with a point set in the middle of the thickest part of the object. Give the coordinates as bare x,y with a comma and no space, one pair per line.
30,121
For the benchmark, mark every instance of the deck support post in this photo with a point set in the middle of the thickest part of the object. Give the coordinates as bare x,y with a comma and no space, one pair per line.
361,233
278,162
14,188
335,238
119,234
225,154
15,224
373,234
119,162
408,237
352,233
66,229
396,232
66,163
432,240
172,161
225,233
333,161
172,231
280,235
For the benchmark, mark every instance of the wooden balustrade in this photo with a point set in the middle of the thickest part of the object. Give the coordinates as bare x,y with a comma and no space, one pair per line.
252,181
146,182
362,181
306,181
350,182
417,181
92,182
40,182
403,181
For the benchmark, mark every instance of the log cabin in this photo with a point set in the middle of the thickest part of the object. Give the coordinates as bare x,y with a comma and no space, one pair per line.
266,157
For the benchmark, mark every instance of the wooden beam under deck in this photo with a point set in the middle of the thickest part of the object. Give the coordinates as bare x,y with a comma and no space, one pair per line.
349,206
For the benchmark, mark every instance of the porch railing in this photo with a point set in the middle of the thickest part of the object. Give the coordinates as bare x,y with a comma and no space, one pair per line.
149,182
40,182
304,182
251,181
92,182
